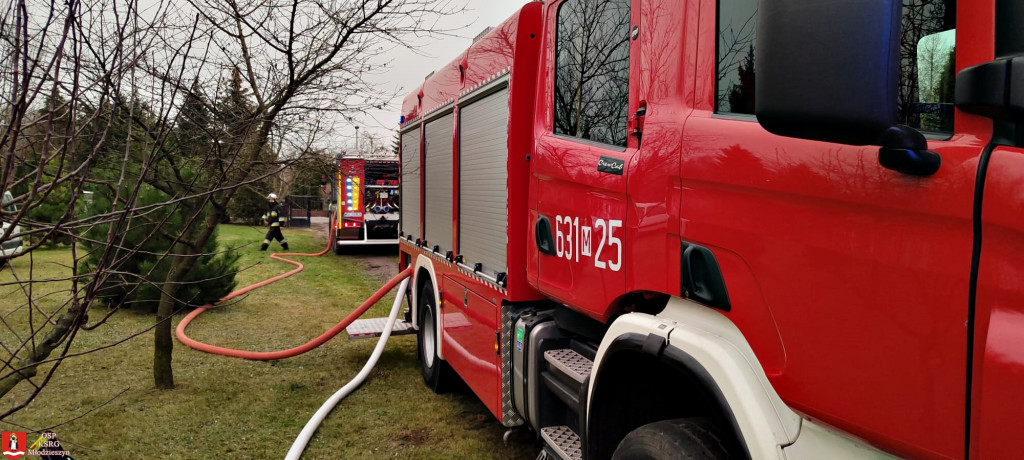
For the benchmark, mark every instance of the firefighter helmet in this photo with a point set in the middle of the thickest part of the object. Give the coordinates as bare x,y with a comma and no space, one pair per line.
272,196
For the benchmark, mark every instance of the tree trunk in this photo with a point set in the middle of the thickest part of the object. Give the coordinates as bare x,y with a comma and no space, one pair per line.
163,342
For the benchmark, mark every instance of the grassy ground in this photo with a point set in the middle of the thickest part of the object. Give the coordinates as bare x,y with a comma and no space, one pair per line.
231,408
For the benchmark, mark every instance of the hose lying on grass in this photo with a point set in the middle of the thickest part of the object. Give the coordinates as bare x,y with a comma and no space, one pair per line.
307,431
281,354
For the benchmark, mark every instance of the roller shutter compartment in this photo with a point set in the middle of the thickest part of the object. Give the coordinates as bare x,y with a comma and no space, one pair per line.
410,184
483,192
437,192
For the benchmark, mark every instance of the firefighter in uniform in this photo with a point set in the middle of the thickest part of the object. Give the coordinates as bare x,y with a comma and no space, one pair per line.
273,219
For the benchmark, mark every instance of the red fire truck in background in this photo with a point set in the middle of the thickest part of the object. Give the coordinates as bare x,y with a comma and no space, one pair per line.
616,247
366,193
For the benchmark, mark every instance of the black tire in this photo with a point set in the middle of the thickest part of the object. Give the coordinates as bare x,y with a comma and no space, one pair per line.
338,249
681,439
436,373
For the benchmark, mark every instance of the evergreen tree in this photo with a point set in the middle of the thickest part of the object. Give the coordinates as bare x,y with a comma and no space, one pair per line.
53,207
945,90
247,205
309,171
136,281
233,118
741,95
148,240
193,135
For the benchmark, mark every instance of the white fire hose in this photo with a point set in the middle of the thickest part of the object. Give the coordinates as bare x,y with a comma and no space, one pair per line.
307,432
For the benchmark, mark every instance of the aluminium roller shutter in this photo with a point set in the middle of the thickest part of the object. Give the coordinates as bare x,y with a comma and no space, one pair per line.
410,212
483,192
437,193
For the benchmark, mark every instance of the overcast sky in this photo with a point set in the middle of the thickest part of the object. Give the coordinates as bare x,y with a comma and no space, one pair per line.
409,68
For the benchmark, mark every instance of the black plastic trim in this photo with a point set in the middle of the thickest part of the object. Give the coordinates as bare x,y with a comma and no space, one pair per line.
1009,33
806,48
584,398
684,360
751,118
701,279
979,192
542,234
993,89
577,323
654,344
564,392
580,140
633,341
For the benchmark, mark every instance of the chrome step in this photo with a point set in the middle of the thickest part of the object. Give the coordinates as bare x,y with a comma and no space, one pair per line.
573,364
374,327
564,441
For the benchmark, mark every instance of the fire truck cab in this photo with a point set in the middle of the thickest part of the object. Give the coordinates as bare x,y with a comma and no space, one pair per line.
730,228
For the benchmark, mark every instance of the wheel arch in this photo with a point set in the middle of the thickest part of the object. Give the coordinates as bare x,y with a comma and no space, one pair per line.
659,363
424,274
667,381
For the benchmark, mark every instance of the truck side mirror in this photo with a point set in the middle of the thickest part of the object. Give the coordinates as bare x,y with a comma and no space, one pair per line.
994,89
829,71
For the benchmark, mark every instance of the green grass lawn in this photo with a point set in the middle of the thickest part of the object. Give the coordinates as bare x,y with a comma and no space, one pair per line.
231,408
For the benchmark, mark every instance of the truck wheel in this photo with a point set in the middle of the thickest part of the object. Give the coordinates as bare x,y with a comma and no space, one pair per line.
681,439
338,249
436,373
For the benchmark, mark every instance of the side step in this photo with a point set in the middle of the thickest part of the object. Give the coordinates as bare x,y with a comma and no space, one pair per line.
570,363
564,441
374,327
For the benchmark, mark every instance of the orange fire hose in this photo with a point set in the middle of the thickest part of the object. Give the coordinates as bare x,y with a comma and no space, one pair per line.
281,354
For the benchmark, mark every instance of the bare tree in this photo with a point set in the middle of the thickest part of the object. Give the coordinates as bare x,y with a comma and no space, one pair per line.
592,71
920,18
109,95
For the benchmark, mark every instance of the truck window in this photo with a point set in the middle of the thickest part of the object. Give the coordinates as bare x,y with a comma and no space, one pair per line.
926,61
735,65
380,173
592,70
935,77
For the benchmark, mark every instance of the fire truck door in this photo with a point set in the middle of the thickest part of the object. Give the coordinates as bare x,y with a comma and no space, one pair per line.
864,270
582,156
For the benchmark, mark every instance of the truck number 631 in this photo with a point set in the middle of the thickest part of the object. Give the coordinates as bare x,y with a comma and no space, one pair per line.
573,240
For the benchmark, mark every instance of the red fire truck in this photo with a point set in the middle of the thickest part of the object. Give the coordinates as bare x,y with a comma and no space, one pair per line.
366,192
616,247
